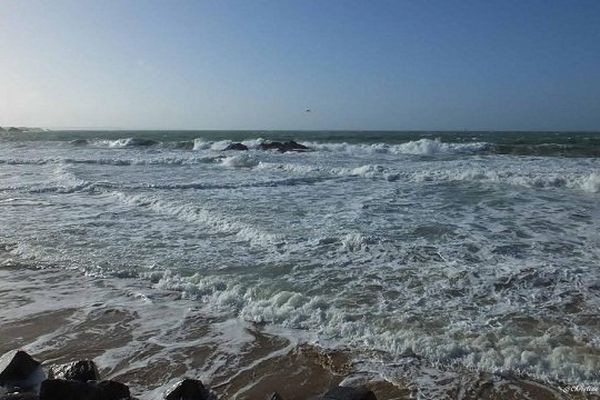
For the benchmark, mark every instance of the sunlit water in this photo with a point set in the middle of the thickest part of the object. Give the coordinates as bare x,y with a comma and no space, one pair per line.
480,250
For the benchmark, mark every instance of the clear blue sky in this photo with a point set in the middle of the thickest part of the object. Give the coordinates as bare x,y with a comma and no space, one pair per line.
431,65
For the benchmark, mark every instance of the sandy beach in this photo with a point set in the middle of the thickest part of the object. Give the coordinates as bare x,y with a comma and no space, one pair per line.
60,316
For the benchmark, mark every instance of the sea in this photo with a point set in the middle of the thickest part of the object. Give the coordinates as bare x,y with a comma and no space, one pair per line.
422,253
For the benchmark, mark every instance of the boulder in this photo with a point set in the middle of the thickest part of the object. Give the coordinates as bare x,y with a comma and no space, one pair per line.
60,389
18,369
19,396
113,390
283,147
188,389
236,146
349,393
83,371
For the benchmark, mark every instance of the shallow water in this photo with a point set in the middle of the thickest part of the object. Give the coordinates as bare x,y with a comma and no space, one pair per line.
477,251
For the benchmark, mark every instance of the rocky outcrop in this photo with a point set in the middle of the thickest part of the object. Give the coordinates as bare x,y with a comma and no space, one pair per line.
283,147
82,371
349,393
236,146
19,370
22,378
60,389
189,389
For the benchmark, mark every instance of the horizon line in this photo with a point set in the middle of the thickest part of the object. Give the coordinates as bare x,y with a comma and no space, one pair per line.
116,129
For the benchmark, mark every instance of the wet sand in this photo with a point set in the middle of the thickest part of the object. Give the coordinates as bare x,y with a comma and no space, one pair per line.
150,338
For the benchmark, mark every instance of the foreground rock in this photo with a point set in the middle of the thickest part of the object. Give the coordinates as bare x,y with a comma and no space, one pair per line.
83,371
283,147
19,396
189,389
18,370
349,393
60,389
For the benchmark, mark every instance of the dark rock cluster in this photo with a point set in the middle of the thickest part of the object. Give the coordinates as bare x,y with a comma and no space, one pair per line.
281,147
24,378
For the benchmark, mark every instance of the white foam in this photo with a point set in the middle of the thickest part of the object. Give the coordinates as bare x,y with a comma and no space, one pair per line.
424,147
590,183
201,144
242,160
368,171
196,214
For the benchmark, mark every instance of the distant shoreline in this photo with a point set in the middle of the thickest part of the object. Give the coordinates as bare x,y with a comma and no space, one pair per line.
25,129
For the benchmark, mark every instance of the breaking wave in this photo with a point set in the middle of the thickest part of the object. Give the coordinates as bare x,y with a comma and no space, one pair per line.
424,147
211,219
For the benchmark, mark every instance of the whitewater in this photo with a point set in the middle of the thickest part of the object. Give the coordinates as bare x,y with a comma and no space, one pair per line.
425,253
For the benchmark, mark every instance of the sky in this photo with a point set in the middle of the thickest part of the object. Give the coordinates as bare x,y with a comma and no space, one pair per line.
253,64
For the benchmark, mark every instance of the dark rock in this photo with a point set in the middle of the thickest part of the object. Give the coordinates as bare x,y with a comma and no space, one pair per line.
113,390
19,396
283,147
83,371
18,369
349,393
236,146
275,396
188,389
295,146
60,389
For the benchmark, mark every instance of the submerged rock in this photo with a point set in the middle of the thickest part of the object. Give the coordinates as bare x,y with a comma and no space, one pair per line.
283,147
83,371
19,369
349,393
60,389
189,389
236,146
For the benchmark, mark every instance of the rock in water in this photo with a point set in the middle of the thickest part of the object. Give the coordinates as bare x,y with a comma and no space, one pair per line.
349,393
83,371
18,369
20,396
290,145
60,389
188,389
236,146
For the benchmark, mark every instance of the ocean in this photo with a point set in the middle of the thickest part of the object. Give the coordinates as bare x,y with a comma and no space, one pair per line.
422,254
